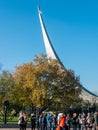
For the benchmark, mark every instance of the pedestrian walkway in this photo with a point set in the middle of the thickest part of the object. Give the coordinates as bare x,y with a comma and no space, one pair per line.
13,129
26,129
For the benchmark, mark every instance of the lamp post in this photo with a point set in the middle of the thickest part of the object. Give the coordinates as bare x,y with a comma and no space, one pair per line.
6,104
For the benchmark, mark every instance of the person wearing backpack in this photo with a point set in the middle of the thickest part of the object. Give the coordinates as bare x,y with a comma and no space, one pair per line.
67,122
21,121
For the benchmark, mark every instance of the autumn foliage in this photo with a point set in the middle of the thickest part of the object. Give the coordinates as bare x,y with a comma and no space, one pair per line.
43,82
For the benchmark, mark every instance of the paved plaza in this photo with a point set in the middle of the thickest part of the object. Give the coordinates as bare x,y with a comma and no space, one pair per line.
26,129
13,129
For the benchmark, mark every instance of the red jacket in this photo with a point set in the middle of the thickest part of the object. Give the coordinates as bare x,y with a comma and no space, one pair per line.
62,121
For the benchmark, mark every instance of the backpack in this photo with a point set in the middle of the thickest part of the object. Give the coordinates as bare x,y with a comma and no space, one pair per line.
67,122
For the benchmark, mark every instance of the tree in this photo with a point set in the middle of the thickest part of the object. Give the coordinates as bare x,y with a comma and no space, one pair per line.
43,82
6,86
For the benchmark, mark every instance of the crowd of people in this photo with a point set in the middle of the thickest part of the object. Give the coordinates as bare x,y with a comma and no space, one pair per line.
61,121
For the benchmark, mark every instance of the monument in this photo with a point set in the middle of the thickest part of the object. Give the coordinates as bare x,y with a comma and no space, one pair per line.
85,94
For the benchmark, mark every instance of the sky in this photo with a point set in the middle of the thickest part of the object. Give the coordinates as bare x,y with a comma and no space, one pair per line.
72,26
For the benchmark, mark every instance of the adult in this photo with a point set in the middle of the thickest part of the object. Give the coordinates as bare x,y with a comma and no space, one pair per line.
74,121
67,122
25,120
21,121
62,121
49,121
89,121
41,121
82,121
96,120
33,121
54,121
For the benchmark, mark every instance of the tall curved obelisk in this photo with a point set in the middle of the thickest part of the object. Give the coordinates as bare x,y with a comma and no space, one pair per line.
86,94
48,45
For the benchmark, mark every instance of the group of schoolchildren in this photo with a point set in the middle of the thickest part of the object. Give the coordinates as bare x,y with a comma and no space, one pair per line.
52,121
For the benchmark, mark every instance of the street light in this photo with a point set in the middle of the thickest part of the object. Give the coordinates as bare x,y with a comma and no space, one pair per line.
6,104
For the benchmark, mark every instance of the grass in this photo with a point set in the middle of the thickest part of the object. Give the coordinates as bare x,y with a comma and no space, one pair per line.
10,120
